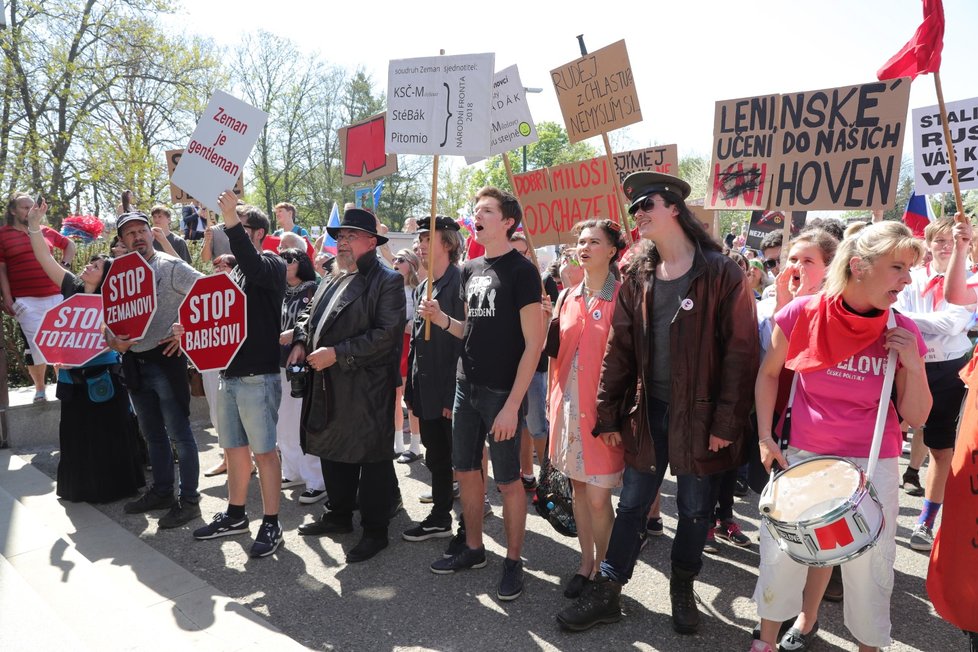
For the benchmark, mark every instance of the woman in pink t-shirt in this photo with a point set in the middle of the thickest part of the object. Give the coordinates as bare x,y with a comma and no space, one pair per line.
838,341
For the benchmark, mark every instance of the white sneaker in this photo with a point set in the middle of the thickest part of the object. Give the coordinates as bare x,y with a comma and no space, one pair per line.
310,496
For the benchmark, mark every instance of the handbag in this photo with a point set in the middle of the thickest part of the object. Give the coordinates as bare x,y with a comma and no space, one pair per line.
196,380
101,389
552,344
555,500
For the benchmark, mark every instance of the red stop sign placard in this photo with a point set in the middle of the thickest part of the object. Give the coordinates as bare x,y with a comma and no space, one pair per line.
213,315
129,296
71,332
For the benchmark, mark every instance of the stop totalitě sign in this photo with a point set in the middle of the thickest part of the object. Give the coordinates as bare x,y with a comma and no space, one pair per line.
214,318
70,333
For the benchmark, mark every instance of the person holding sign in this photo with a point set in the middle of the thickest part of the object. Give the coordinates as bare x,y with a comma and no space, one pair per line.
502,336
350,336
156,375
250,390
672,391
98,440
837,343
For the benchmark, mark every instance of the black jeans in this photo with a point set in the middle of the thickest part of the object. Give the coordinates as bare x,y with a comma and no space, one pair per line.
436,435
725,500
376,484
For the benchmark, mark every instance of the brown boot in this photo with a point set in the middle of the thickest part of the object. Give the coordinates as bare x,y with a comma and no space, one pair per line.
685,615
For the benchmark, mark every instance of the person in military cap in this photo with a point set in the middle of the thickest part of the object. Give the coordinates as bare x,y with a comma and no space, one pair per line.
676,388
430,389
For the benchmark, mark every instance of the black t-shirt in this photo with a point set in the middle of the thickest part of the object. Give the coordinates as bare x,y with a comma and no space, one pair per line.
494,290
550,286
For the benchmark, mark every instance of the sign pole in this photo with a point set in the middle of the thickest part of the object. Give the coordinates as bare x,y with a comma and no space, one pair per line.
526,232
622,200
432,232
785,238
948,144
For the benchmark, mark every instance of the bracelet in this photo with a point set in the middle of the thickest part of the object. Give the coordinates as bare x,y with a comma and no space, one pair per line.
29,230
449,325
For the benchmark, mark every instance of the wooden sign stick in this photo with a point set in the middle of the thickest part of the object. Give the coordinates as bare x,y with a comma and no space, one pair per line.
948,144
432,232
622,200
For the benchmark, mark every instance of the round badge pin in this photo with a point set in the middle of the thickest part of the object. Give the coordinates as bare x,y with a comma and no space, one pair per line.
597,315
687,304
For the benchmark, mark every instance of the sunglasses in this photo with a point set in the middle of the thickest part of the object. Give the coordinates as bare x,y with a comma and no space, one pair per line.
771,263
400,259
646,205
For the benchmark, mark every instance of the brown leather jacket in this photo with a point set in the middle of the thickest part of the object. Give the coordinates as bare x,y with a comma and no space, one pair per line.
714,356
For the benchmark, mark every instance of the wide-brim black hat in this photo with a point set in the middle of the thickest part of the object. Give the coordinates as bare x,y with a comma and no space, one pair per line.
442,223
359,219
639,185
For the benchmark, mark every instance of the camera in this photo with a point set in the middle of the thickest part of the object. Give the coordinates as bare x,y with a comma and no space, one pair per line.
298,377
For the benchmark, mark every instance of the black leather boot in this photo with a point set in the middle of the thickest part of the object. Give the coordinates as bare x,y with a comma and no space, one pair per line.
685,615
600,603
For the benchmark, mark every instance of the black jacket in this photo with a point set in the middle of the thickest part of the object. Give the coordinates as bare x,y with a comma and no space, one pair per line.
431,365
348,409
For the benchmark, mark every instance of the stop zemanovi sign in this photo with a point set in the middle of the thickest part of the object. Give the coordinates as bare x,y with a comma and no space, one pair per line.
213,315
129,296
70,333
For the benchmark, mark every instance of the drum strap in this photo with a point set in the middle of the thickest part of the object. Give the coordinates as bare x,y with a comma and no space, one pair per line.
874,450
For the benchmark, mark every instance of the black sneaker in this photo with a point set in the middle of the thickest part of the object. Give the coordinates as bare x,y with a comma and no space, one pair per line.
427,530
468,558
222,526
741,488
180,514
654,526
529,485
268,539
150,501
511,583
911,483
456,545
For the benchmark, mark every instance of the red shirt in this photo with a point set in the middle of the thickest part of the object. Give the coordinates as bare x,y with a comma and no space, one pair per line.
27,278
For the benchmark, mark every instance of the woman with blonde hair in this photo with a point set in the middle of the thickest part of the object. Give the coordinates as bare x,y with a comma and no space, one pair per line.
407,264
837,343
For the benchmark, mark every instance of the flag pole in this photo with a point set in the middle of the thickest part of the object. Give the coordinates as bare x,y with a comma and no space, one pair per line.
948,144
432,232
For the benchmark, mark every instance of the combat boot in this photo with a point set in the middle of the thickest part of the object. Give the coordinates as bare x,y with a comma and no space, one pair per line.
685,615
600,603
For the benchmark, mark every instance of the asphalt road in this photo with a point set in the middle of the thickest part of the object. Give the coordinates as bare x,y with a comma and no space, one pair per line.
394,601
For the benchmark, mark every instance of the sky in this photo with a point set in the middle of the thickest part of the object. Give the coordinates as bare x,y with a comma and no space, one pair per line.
684,55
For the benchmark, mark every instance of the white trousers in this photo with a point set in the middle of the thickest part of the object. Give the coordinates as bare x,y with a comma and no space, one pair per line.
296,465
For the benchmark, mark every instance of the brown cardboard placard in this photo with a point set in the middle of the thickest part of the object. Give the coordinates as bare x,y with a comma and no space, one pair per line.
744,146
177,195
362,150
841,148
555,199
597,92
660,158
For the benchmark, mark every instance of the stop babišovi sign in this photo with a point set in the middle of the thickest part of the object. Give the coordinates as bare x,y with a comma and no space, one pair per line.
213,315
129,296
70,333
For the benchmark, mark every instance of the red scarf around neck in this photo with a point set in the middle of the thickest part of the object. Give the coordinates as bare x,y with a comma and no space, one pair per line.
826,333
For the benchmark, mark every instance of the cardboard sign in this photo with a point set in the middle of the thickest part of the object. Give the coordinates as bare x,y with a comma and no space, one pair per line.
362,149
932,171
177,195
70,333
129,296
597,93
214,316
764,222
661,158
439,105
555,199
218,148
512,125
744,134
840,148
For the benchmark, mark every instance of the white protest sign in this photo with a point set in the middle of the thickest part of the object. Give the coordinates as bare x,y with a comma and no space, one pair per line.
511,124
218,148
439,105
932,171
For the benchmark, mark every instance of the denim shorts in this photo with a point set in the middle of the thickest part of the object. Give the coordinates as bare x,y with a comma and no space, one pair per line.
247,411
475,410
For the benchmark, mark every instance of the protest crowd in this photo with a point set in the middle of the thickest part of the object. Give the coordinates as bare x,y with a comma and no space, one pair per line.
795,362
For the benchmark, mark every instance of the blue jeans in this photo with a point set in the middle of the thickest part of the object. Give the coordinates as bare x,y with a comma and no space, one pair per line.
536,406
695,498
475,411
164,417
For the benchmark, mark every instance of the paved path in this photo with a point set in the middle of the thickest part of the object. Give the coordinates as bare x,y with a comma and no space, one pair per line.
307,592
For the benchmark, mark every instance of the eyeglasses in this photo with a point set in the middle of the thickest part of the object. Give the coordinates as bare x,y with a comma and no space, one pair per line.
771,263
347,238
399,259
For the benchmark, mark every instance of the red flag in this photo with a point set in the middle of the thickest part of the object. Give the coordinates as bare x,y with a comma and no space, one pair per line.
922,53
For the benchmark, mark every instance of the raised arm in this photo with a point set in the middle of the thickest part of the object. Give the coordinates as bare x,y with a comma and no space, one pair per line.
51,267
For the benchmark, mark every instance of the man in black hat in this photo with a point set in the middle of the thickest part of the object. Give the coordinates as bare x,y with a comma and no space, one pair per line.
350,336
676,388
156,375
430,390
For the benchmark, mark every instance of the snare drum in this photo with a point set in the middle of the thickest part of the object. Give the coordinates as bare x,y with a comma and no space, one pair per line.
823,511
